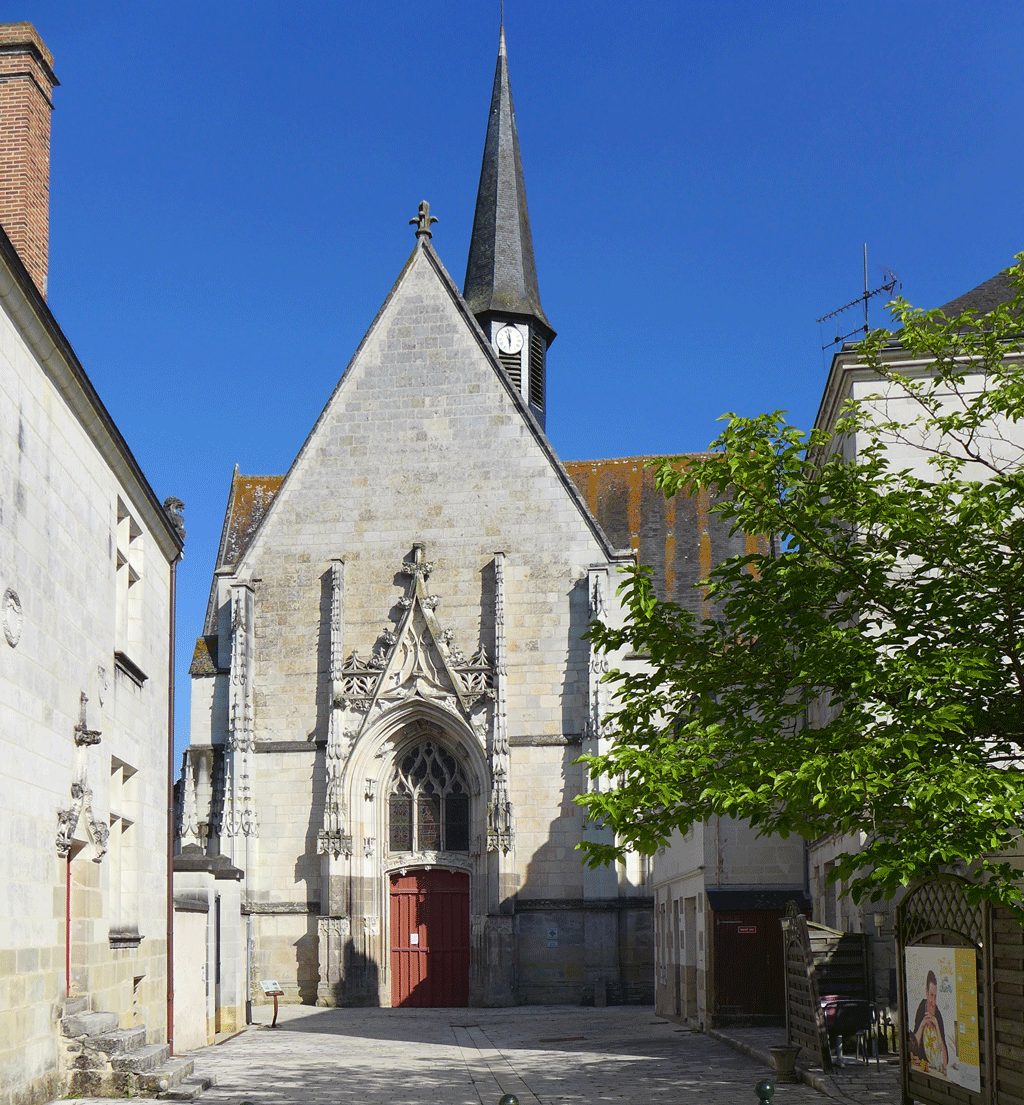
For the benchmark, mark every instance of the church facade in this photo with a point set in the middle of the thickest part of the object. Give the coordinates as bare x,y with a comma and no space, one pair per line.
393,685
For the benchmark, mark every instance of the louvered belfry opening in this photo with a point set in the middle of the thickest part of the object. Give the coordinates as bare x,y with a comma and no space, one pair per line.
537,349
513,365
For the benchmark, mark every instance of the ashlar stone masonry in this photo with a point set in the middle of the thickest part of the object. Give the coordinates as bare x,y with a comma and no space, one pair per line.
393,682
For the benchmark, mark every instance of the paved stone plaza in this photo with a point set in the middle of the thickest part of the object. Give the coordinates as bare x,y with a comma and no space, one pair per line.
543,1055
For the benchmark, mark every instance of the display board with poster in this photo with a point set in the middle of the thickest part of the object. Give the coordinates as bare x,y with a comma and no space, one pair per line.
942,1007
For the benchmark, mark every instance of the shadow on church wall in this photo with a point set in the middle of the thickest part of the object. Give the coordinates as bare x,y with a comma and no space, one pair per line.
307,962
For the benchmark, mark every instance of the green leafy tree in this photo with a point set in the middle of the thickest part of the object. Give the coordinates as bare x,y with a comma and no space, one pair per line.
863,673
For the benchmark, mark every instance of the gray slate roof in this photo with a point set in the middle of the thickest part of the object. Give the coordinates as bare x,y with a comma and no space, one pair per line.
501,275
984,298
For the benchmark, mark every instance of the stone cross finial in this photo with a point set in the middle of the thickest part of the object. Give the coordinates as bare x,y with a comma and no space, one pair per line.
420,568
423,221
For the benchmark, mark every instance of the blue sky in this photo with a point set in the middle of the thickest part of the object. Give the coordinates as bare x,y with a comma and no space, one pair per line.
232,182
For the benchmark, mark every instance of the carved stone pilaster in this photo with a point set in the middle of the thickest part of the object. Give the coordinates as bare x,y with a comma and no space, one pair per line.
333,840
597,706
500,827
337,626
332,935
240,721
188,814
239,817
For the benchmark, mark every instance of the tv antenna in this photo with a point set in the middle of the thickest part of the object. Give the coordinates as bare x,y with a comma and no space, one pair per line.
889,285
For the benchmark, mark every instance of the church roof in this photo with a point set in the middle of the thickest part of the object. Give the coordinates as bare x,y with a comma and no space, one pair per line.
204,656
249,499
984,298
501,274
678,538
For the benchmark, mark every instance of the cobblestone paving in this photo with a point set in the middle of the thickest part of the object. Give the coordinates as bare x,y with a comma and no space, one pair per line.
473,1056
861,1083
544,1056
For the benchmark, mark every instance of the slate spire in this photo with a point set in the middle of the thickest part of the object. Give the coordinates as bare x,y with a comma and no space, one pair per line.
501,276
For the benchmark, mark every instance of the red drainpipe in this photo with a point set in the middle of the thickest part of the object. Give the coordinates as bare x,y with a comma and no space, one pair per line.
170,806
67,928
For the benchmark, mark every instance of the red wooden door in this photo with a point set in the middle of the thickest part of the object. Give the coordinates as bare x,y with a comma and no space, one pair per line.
750,963
430,939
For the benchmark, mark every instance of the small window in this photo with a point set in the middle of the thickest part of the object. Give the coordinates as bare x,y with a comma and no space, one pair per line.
428,806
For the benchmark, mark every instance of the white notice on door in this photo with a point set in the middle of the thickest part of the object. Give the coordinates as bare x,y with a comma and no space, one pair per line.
414,937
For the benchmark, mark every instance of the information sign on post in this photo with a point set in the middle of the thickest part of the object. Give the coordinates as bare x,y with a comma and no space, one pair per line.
272,989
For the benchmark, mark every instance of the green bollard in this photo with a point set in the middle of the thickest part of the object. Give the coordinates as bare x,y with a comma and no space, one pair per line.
509,1099
765,1089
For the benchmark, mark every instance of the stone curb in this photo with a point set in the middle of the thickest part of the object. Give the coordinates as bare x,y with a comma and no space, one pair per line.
820,1082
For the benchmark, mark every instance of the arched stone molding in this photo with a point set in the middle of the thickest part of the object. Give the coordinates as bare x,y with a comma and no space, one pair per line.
373,755
366,785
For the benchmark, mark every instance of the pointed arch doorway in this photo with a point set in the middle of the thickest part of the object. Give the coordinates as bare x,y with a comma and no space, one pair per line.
428,820
429,939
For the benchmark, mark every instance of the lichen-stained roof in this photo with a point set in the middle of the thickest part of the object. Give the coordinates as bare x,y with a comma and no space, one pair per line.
248,501
251,497
678,538
204,658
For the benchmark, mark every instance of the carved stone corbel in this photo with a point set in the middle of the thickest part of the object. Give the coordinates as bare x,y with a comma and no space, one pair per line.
334,842
83,734
67,822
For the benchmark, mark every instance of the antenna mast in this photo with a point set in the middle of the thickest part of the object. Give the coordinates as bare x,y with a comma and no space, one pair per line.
890,284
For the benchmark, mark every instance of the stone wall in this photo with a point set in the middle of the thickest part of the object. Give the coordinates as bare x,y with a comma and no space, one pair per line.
83,711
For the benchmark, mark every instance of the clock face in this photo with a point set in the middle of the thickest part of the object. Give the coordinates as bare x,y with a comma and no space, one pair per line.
508,340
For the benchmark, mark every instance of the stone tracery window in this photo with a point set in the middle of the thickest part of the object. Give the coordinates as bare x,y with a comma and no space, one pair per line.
428,802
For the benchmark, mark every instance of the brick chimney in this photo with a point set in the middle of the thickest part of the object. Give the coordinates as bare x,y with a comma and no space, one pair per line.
26,100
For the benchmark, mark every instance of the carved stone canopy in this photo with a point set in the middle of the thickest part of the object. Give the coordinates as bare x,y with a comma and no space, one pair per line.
419,659
67,822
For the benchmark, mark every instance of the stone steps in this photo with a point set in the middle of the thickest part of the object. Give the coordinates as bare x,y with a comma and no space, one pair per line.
121,1041
156,1082
187,1090
88,1024
106,1061
142,1059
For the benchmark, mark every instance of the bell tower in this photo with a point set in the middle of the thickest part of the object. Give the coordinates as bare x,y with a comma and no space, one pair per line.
501,276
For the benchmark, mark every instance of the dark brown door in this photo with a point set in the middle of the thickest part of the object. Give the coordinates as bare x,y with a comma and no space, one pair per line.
430,939
750,968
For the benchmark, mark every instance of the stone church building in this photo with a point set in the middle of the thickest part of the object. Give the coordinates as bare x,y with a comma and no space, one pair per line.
392,682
